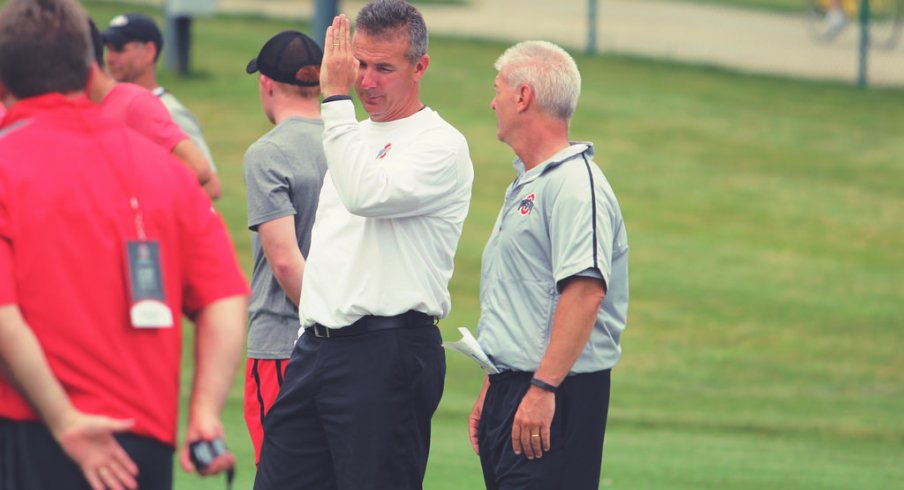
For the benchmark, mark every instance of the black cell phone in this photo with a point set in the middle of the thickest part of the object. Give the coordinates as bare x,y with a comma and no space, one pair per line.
203,452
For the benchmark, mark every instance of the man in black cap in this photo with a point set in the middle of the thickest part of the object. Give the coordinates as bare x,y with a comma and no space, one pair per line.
283,174
134,44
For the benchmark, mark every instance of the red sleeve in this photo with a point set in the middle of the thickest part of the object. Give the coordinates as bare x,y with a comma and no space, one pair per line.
7,277
212,270
147,115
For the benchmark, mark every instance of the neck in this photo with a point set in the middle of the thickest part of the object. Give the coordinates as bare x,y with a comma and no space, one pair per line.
538,143
412,109
148,79
296,107
100,85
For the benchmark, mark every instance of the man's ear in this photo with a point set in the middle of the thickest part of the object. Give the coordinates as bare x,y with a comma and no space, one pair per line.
6,98
266,84
421,66
150,50
525,97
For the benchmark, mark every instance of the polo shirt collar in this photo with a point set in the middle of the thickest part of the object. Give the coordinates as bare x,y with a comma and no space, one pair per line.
30,106
576,148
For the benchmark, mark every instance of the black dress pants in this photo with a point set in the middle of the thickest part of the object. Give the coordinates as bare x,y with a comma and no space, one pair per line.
354,412
30,458
578,428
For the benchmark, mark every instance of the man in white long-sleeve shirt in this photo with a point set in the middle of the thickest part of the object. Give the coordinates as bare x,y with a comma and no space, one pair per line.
367,372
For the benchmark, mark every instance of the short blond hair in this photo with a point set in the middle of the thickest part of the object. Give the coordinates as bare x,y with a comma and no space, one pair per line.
549,70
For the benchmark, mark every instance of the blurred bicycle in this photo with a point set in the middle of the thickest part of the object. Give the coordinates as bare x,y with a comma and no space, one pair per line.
829,18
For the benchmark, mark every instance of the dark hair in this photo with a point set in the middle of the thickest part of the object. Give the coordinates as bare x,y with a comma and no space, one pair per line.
389,18
97,44
44,47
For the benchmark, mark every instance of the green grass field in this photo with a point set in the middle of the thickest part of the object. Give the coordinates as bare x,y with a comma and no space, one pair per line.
765,338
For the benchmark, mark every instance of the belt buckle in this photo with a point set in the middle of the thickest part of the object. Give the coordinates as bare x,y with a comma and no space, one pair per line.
318,331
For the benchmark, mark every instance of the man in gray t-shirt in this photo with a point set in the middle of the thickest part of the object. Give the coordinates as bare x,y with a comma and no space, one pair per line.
284,171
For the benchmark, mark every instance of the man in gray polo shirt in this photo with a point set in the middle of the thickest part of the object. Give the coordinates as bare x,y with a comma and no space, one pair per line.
553,289
284,172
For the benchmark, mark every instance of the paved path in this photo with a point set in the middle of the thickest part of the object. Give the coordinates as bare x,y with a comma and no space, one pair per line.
745,40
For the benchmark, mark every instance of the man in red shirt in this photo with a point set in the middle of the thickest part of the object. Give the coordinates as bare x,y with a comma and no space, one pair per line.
142,111
134,43
105,239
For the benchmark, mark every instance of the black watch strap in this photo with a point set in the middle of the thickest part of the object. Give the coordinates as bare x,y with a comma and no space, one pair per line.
337,97
543,385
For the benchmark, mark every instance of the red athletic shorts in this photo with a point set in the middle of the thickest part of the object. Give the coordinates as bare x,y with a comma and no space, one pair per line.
263,377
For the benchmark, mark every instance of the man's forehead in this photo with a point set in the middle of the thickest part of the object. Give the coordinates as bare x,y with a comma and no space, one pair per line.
389,34
375,49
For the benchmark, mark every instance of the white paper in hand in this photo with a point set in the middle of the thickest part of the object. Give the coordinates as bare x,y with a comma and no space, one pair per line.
468,346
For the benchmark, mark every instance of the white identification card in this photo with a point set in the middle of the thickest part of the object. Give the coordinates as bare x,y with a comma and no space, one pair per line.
147,302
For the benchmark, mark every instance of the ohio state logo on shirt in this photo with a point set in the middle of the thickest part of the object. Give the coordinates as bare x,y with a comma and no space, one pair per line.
527,204
382,153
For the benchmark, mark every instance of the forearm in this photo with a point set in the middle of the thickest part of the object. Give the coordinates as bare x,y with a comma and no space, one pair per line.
476,414
212,187
194,159
278,241
218,350
23,363
483,391
289,277
573,323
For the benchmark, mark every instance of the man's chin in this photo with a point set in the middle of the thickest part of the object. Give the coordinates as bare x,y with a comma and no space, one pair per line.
373,110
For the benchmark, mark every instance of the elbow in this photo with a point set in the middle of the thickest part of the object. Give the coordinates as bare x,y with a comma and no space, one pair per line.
360,207
282,270
285,269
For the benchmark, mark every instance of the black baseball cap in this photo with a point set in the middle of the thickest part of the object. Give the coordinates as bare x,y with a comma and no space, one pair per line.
132,27
283,57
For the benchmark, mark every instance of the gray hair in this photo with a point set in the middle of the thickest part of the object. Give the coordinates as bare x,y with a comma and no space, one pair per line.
44,47
388,18
548,70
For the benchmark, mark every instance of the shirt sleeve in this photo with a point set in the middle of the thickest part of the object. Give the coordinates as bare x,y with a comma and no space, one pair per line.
268,184
579,226
7,275
404,182
192,128
211,268
147,115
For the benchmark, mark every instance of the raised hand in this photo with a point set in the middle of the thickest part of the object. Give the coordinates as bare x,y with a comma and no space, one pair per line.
340,67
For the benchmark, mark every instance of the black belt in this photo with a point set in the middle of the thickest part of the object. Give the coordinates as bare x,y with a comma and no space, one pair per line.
372,323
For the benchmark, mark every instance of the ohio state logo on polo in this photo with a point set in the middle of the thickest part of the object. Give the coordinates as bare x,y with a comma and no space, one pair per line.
527,204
